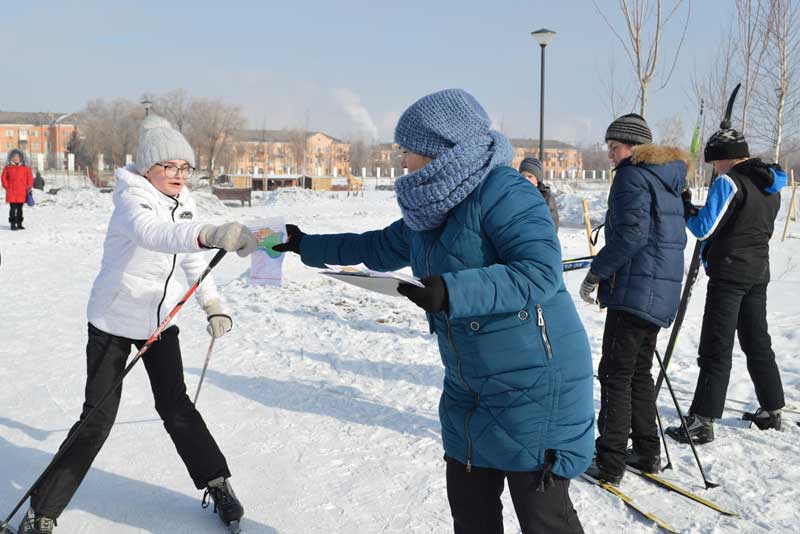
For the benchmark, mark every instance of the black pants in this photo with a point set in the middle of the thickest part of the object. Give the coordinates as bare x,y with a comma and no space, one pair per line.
106,357
627,393
476,507
15,213
730,308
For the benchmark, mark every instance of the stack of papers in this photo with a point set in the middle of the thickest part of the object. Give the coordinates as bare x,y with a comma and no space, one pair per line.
359,275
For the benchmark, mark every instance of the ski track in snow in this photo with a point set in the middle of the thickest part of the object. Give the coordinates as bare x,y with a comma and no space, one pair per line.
324,397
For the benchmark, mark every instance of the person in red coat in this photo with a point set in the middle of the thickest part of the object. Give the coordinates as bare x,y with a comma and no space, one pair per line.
17,181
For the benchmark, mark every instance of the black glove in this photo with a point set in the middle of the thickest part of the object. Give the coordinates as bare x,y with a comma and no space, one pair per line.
432,298
588,286
689,209
293,243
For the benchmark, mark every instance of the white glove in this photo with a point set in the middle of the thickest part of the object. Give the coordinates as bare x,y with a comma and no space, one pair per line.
588,286
230,237
219,323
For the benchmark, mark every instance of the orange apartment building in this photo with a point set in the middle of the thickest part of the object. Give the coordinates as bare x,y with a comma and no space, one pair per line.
276,152
558,157
43,137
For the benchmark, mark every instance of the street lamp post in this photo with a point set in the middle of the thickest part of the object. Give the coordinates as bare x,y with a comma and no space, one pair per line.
147,103
543,37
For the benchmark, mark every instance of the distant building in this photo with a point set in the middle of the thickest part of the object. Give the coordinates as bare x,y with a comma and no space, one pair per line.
558,157
44,137
279,152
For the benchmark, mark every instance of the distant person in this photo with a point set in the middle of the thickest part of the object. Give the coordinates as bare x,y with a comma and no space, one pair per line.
735,227
531,169
17,181
38,181
152,232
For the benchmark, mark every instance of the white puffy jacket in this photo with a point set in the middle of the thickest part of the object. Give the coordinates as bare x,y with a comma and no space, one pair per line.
149,235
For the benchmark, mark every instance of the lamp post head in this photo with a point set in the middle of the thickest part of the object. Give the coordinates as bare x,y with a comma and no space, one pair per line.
147,103
543,36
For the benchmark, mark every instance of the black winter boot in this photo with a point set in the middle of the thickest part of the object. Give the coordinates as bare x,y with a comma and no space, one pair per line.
226,505
700,429
36,524
764,420
598,472
644,463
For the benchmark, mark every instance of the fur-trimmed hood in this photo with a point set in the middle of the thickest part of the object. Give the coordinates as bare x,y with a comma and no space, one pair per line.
671,164
21,155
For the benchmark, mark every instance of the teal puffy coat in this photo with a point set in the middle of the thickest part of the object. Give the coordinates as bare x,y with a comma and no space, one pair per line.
518,367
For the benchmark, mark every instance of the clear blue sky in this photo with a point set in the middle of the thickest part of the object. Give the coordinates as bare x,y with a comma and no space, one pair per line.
346,65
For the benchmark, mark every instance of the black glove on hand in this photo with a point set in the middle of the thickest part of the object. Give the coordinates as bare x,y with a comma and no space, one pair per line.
293,242
689,209
432,298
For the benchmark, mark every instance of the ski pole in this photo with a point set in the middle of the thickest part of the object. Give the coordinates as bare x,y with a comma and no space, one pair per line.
575,265
4,526
663,439
205,366
683,424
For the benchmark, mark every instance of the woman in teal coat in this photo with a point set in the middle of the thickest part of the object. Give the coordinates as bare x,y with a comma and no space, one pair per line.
517,397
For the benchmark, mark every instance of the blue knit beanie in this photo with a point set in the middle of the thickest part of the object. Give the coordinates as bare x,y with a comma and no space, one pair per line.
437,122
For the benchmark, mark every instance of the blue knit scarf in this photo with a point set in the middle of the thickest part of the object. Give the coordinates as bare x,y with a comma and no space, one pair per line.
427,195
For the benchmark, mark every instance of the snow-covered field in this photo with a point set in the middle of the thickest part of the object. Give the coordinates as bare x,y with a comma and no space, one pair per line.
324,397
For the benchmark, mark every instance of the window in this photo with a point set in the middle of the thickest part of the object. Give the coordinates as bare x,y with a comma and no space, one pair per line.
9,146
35,147
23,132
34,133
9,133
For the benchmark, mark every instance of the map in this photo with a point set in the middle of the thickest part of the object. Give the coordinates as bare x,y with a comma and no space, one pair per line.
266,265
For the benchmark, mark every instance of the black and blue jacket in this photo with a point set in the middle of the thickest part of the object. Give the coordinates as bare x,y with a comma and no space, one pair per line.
737,222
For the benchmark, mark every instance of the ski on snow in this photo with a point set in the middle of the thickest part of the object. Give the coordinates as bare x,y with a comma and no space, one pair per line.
630,503
670,486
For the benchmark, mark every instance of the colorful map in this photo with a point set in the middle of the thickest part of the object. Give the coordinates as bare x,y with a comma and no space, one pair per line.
266,265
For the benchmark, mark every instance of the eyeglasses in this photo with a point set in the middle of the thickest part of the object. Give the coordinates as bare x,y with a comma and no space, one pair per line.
172,171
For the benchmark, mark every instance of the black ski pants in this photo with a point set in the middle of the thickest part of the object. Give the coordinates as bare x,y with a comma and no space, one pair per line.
476,507
106,357
627,393
732,308
15,213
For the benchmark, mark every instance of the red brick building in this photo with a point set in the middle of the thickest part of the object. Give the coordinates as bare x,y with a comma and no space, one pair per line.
44,137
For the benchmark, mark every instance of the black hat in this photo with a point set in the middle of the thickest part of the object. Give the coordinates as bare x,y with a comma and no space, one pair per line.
533,166
726,144
630,129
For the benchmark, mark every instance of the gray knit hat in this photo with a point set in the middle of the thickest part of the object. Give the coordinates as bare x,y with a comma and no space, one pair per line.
630,129
533,166
159,141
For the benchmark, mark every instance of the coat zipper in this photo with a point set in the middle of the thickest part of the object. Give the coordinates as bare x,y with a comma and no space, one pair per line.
543,328
460,373
166,282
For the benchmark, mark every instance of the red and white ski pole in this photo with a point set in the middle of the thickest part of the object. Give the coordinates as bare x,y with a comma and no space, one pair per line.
4,526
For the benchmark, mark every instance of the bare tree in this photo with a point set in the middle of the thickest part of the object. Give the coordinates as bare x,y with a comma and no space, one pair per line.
298,142
714,85
110,129
671,131
643,39
777,100
176,107
616,99
210,126
752,24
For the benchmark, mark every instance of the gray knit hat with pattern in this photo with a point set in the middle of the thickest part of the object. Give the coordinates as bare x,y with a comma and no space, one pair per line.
630,129
159,141
533,166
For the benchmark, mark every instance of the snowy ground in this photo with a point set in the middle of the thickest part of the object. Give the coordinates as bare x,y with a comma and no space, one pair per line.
324,397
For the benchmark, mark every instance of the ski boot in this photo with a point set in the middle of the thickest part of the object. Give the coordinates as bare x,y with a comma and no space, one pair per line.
700,430
642,462
36,524
764,419
598,472
226,505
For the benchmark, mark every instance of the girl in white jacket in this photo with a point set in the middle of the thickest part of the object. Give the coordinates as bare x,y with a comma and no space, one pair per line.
152,232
